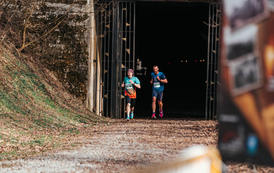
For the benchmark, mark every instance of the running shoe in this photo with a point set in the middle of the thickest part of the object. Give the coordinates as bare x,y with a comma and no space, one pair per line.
131,115
153,116
128,118
161,114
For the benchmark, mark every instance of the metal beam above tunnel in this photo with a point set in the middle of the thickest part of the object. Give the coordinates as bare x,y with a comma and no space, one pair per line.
203,1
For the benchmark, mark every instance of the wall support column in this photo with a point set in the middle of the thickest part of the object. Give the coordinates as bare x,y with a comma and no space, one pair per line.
91,48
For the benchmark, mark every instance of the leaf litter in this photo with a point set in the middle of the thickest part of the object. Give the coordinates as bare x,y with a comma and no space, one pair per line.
128,147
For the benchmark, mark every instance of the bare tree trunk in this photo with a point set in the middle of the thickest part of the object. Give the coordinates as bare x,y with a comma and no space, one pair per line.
91,47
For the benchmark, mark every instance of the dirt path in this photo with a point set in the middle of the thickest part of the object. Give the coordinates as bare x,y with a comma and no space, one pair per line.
125,147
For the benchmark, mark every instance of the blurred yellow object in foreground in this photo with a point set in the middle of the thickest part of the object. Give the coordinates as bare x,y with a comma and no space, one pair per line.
195,159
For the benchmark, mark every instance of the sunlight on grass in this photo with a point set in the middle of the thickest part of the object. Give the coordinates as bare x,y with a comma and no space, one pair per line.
36,111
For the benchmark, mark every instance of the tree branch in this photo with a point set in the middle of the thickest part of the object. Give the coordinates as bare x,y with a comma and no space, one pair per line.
43,35
6,28
25,27
48,31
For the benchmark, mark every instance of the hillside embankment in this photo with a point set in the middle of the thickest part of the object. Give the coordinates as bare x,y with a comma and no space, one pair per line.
37,113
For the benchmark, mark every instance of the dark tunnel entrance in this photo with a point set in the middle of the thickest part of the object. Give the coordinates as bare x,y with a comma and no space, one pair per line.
173,36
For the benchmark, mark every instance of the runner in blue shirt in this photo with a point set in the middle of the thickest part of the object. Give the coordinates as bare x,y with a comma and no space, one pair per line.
158,79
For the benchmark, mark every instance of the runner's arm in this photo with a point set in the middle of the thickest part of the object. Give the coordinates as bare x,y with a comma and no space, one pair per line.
123,84
137,85
151,81
163,80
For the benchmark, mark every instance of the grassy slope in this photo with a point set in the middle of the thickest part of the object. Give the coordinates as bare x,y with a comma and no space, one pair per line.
36,111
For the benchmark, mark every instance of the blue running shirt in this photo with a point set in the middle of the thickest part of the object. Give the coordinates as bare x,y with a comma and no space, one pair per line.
157,85
130,89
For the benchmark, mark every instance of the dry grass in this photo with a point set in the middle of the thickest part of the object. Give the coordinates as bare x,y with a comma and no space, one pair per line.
36,112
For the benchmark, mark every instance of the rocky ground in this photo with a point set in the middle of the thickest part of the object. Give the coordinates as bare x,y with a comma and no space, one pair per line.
128,147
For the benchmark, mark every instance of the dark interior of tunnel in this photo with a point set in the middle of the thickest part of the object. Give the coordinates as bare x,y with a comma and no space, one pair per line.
173,36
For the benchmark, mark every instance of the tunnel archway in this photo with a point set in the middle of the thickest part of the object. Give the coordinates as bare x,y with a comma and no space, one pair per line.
182,38
173,36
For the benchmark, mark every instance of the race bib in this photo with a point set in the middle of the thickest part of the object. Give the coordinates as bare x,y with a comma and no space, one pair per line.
156,84
129,86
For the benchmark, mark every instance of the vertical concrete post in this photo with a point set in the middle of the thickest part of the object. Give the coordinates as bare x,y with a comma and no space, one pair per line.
98,85
91,48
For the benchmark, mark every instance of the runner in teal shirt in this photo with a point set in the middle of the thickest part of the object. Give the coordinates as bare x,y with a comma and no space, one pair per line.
130,89
130,83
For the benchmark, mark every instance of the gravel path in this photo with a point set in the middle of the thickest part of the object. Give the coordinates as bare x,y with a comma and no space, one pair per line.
124,147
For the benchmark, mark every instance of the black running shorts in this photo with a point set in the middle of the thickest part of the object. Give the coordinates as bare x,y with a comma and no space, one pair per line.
130,101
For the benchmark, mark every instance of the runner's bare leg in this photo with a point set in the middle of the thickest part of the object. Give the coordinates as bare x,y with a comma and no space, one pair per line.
128,109
160,103
153,104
